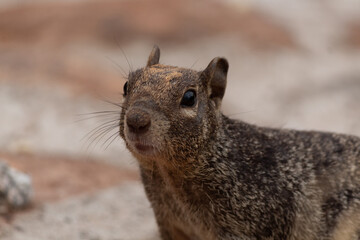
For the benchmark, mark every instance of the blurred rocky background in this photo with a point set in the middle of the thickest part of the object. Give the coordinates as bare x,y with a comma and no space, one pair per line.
293,64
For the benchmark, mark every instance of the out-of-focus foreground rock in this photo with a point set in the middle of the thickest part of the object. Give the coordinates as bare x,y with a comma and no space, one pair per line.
15,189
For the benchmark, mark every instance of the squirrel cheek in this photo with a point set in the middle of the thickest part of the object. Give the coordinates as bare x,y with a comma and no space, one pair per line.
189,112
213,103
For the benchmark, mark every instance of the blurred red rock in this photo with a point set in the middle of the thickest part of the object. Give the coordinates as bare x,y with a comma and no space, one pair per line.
161,21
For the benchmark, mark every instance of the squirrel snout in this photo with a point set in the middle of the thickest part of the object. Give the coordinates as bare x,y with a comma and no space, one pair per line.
138,121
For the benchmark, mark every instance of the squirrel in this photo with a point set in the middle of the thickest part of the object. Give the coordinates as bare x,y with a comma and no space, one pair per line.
211,177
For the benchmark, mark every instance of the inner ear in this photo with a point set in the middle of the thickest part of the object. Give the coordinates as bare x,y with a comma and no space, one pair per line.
154,56
214,78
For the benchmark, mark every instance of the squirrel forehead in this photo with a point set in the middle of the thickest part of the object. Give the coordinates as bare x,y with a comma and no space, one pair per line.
164,74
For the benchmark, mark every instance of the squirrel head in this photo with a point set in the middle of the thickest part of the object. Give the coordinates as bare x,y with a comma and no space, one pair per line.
171,113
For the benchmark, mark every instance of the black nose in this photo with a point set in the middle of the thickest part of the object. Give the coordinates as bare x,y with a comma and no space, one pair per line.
138,121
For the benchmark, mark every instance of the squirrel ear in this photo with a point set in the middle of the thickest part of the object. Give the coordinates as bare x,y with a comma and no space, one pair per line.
215,78
154,56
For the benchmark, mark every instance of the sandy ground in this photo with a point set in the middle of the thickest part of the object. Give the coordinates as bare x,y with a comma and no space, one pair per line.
292,64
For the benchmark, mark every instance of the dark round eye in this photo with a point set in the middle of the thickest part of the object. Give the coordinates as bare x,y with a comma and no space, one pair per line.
189,98
125,89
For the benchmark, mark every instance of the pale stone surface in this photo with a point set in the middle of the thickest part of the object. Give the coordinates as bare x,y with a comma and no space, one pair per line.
15,188
120,212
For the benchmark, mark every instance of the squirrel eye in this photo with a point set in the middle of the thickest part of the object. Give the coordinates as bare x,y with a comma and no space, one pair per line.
189,98
125,89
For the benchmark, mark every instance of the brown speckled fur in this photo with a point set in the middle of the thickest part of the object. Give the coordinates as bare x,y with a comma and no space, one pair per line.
211,177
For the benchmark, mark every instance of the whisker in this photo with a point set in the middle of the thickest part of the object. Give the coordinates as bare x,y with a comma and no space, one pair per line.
101,136
113,103
123,72
103,117
107,100
111,136
99,128
98,112
116,137
127,60
234,114
194,63
123,52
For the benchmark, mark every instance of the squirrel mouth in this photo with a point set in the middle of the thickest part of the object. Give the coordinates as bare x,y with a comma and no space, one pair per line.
143,149
140,145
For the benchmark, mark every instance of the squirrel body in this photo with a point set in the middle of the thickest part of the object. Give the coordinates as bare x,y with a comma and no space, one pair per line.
211,177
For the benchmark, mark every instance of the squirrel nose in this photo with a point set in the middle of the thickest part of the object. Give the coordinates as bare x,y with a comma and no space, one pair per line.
138,121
